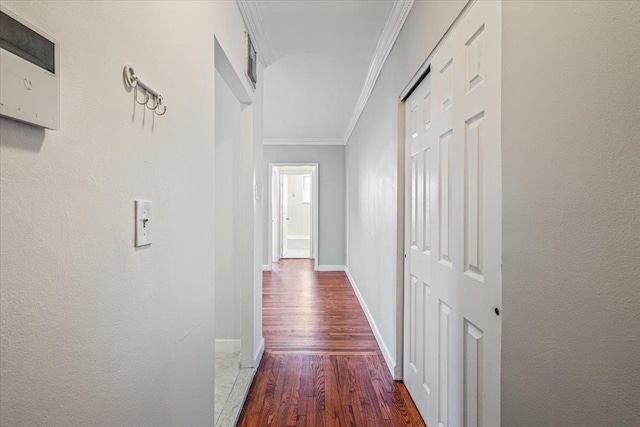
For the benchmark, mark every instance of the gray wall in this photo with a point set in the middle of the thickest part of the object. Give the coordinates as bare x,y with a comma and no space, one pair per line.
372,170
571,176
331,194
571,171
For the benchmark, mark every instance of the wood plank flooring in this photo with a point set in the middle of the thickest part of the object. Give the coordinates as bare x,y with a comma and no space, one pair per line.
322,365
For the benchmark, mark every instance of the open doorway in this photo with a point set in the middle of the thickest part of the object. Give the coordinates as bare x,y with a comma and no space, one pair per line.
236,313
294,211
228,295
295,214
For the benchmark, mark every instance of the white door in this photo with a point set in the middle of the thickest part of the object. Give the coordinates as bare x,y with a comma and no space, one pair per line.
275,215
284,210
419,181
453,228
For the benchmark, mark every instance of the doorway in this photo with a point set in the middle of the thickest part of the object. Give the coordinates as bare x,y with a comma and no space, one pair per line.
293,212
235,311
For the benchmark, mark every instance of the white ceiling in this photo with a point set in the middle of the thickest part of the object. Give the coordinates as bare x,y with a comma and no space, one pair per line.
320,52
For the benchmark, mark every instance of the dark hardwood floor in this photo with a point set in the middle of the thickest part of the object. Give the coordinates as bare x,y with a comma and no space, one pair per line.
322,365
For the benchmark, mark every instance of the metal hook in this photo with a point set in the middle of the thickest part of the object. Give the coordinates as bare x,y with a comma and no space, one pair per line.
158,105
150,94
146,96
154,98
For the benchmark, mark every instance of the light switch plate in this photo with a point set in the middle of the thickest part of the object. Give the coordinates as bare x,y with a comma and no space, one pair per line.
143,222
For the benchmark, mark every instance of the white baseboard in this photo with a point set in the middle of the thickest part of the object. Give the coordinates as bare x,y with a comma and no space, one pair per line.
391,363
227,346
331,268
298,237
266,267
258,356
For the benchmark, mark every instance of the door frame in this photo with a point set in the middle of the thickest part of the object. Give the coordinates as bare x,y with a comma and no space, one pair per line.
314,210
246,272
402,240
463,339
275,194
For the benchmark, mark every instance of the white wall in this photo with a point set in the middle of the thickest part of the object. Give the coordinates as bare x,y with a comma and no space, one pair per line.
372,169
571,239
95,332
321,52
312,95
227,158
571,168
331,195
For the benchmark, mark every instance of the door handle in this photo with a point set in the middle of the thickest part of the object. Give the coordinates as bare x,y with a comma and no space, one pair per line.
287,219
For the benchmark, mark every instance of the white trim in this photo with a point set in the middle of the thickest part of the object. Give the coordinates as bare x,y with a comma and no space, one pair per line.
314,208
258,356
252,11
266,267
331,268
403,192
228,346
391,364
401,240
303,141
392,28
294,170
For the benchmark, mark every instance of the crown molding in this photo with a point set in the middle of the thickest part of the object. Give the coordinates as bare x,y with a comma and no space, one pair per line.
303,141
398,15
252,11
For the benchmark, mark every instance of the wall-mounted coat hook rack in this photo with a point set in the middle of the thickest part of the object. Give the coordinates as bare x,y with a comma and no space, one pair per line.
150,95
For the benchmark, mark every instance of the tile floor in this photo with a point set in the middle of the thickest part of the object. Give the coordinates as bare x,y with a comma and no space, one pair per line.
298,248
297,253
232,384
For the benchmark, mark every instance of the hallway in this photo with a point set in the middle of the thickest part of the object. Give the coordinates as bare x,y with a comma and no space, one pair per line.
322,364
466,210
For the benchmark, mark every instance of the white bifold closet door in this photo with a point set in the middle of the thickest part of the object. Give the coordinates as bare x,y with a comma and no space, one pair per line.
453,238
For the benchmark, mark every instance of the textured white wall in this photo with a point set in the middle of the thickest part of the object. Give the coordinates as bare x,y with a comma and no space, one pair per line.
571,239
95,332
295,108
372,168
322,51
227,144
331,195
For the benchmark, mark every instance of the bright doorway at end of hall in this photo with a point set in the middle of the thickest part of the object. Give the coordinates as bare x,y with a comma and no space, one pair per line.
294,211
